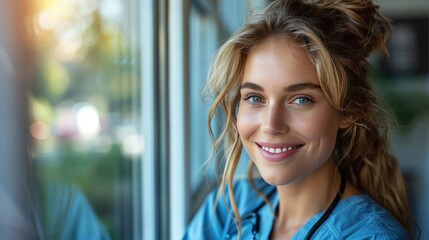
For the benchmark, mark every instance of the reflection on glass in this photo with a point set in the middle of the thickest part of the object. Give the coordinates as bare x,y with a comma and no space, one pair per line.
84,116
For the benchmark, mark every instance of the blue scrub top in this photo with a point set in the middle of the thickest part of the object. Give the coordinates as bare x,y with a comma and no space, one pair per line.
356,217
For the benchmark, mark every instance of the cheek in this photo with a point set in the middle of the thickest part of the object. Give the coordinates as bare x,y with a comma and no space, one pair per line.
321,125
247,123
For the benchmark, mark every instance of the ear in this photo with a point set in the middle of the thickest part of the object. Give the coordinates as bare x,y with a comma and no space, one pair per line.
346,121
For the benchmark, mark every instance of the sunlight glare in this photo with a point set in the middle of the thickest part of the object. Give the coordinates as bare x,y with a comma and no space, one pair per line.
87,120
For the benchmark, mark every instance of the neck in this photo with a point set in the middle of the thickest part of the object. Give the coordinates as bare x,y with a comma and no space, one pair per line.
301,200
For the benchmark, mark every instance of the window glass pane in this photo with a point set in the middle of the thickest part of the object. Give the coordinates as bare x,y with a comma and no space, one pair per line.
210,25
85,137
203,40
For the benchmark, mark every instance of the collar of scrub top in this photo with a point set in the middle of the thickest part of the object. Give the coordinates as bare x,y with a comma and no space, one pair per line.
251,213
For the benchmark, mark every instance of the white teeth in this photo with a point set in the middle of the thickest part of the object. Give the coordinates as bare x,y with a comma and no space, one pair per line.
278,150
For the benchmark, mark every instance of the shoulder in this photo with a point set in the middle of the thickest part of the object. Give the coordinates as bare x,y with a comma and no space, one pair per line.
247,198
360,217
212,222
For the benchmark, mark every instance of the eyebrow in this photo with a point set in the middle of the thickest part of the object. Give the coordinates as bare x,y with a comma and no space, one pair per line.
252,86
301,86
291,88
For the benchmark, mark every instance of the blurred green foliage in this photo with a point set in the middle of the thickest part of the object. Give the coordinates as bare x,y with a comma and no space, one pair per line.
408,106
406,93
92,72
97,175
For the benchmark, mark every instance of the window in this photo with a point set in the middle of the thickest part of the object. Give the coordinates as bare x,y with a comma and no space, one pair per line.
84,121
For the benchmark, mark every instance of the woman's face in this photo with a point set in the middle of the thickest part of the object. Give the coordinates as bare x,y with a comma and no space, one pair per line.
284,120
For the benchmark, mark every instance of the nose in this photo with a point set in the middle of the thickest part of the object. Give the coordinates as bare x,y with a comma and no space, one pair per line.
274,121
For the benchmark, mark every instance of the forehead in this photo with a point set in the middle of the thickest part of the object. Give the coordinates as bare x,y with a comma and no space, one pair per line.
279,58
280,45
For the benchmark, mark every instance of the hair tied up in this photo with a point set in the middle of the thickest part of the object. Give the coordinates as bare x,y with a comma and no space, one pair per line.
358,22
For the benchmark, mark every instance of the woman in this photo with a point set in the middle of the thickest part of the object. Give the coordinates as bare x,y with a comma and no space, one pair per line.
293,82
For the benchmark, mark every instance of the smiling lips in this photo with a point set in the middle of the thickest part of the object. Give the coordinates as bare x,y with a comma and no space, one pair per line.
276,152
279,150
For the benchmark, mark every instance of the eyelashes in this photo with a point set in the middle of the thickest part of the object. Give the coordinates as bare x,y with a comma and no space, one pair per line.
253,99
303,100
298,100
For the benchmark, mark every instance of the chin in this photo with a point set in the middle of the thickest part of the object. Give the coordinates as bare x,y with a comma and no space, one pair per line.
277,179
282,177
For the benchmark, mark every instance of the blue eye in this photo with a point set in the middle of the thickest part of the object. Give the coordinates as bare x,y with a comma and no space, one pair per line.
303,100
254,99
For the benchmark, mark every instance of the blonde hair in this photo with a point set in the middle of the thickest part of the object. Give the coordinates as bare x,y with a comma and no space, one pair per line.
338,36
